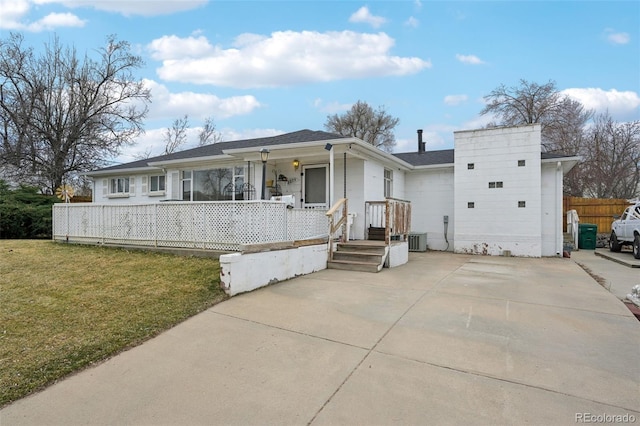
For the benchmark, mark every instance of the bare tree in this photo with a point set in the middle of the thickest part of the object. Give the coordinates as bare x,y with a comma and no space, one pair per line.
612,159
145,155
563,121
60,114
208,134
176,135
363,122
562,118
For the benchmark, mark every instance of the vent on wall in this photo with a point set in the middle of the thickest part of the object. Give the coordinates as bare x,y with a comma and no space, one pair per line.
417,242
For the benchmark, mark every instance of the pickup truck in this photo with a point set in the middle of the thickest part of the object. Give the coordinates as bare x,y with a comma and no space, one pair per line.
626,230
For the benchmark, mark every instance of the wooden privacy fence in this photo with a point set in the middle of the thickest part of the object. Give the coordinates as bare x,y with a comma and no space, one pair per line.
598,211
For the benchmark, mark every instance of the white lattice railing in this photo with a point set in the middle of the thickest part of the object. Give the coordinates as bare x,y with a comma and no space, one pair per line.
212,225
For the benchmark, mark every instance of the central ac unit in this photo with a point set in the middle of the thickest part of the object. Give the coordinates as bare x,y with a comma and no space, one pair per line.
417,242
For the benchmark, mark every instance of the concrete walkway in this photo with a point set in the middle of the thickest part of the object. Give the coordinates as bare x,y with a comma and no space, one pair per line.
617,272
445,339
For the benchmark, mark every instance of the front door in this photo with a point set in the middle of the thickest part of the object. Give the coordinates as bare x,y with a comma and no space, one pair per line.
315,187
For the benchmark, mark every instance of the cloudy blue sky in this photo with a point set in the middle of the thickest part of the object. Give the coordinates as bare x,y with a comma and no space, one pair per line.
262,68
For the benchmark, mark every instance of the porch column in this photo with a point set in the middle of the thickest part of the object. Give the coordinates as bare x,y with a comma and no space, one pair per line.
329,147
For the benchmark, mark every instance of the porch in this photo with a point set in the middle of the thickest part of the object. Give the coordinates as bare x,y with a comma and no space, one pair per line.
229,226
263,241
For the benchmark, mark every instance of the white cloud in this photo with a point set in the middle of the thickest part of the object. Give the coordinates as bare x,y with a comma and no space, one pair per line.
13,16
363,15
330,107
437,137
173,47
12,12
167,105
623,105
285,58
412,22
56,20
134,7
478,122
617,38
234,135
454,100
469,59
152,140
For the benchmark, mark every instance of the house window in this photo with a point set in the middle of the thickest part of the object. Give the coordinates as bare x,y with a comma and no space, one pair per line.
495,184
224,183
522,204
521,163
388,183
471,205
186,185
470,166
119,186
238,187
157,183
498,184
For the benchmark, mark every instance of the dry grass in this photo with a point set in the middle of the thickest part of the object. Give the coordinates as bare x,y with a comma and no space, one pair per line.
64,307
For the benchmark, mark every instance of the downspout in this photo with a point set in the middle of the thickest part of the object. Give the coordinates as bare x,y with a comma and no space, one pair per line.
331,176
558,210
344,174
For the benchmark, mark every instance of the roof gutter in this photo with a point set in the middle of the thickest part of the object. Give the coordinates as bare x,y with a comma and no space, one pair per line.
568,163
370,150
133,170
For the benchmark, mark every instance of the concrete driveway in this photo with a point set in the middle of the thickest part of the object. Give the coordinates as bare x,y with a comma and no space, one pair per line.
445,339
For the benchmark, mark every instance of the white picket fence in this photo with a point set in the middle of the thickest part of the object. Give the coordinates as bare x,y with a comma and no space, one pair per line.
211,225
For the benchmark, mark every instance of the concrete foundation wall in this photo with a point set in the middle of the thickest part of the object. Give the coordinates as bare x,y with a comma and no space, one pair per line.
399,254
240,273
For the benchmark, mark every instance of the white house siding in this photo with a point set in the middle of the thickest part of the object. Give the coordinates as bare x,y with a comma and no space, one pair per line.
431,195
373,185
399,184
138,190
496,224
552,217
355,195
374,181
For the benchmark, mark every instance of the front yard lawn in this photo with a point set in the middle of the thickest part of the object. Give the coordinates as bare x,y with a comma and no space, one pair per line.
64,307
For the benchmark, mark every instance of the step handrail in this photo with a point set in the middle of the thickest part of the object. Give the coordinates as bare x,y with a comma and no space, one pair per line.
335,225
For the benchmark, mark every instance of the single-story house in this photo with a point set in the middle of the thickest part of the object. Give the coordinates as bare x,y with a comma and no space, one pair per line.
496,193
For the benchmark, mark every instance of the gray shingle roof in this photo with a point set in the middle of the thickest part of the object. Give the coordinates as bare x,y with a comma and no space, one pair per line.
447,156
218,148
427,158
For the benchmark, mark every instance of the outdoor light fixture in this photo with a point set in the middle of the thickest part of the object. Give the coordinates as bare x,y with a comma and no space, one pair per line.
264,155
296,164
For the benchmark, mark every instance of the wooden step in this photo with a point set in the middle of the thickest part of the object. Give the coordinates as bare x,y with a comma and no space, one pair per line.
354,266
362,248
358,256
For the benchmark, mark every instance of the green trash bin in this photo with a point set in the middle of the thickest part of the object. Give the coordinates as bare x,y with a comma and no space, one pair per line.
587,235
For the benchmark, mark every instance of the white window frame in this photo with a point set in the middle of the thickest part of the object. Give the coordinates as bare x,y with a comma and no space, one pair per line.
158,190
119,187
187,176
388,183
